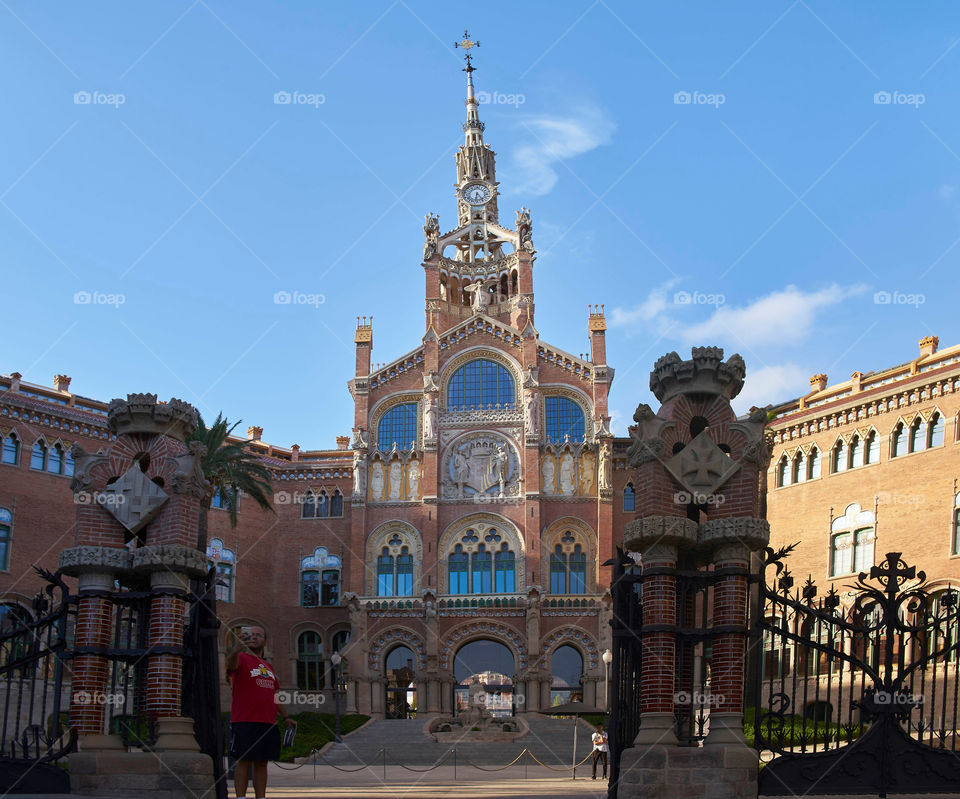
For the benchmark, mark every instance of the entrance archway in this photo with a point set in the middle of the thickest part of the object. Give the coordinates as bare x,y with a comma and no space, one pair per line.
493,665
566,665
400,701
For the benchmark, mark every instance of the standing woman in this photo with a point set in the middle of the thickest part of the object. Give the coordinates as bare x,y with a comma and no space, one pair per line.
255,738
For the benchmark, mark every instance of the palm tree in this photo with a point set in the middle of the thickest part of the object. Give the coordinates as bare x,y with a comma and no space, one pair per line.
230,468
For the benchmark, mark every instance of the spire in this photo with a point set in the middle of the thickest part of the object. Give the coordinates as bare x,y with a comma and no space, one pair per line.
473,127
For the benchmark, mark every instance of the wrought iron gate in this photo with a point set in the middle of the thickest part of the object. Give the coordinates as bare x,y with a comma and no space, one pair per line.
625,667
34,732
855,692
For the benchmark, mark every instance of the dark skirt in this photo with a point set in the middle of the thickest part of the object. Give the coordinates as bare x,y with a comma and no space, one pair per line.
250,740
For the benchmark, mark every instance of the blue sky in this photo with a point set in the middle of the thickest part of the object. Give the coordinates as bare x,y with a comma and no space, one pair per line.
771,214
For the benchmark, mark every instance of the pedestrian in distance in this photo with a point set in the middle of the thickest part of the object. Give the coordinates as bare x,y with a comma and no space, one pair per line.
600,749
255,738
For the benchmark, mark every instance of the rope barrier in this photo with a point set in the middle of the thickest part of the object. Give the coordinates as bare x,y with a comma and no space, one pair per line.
500,768
420,770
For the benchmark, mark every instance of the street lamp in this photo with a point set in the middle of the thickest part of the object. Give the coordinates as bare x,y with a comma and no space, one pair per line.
607,660
336,659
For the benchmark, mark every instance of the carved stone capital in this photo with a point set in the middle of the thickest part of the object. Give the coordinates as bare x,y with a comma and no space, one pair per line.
747,531
141,413
188,478
172,557
85,559
641,535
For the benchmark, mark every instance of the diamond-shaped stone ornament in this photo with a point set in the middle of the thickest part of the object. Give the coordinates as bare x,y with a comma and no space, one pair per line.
134,499
701,467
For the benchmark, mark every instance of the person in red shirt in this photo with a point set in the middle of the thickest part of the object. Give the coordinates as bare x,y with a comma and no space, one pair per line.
255,738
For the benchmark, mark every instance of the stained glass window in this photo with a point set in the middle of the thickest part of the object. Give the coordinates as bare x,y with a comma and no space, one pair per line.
564,418
479,384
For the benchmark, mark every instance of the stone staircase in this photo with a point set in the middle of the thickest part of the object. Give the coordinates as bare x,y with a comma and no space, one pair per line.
550,740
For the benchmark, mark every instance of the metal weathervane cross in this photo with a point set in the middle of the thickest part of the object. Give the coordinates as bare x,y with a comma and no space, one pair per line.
467,45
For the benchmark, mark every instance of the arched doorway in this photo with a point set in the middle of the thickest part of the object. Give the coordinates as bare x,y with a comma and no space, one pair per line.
566,665
401,691
493,665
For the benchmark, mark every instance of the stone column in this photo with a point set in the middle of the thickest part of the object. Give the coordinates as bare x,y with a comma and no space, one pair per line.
658,539
590,691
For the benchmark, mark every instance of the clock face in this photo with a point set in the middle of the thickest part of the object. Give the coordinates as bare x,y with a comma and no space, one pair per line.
476,193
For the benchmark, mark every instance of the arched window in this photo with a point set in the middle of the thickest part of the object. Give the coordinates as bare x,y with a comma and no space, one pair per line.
935,431
564,420
568,567
872,452
224,498
11,449
398,426
395,574
309,661
55,460
223,560
856,452
840,456
851,542
899,443
336,504
918,435
813,464
783,471
38,458
323,505
479,384
320,579
799,467
478,566
629,498
6,525
340,640
68,464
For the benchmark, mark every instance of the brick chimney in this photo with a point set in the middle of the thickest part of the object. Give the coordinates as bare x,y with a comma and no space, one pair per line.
254,433
928,346
15,381
61,383
818,382
343,442
295,453
855,381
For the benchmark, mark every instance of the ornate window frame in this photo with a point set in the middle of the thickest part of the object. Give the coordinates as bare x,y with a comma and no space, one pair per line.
379,538
470,631
456,530
576,396
320,561
475,354
584,535
389,640
387,404
576,637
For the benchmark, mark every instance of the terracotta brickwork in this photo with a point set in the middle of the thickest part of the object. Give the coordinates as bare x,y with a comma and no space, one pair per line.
909,500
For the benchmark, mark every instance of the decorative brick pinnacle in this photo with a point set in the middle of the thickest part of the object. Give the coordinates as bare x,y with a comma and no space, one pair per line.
705,373
142,414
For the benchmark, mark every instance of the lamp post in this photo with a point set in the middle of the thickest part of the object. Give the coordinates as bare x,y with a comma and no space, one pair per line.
607,660
336,659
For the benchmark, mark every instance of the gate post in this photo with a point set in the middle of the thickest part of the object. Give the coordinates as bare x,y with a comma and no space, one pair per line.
139,518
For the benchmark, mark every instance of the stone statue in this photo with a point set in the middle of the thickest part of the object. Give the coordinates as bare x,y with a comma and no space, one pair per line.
83,463
359,473
531,378
587,471
359,439
567,486
431,382
413,480
549,475
429,418
499,467
358,616
479,302
376,480
533,415
431,231
396,479
525,229
461,471
188,477
604,481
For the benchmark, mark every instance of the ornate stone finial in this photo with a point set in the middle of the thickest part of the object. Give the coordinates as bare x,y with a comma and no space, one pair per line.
818,382
343,442
364,334
295,453
61,382
705,373
142,414
598,322
928,345
254,433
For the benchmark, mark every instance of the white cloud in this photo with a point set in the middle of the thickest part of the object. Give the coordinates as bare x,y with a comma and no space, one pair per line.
770,385
650,309
947,191
554,139
786,316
